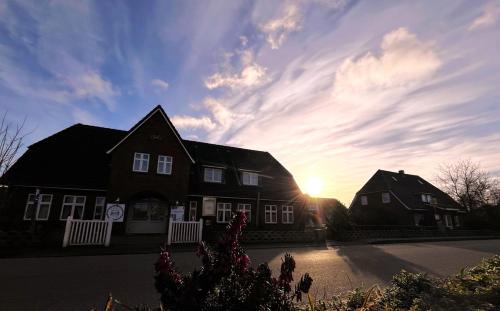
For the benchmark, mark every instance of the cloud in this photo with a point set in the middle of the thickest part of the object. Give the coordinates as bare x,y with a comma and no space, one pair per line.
92,85
489,16
278,29
403,60
192,123
250,75
160,84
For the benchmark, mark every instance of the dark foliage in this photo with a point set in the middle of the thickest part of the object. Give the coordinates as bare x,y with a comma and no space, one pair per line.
337,219
226,280
485,217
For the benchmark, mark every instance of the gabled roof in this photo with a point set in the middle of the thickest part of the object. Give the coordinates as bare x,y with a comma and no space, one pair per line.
157,109
73,158
408,189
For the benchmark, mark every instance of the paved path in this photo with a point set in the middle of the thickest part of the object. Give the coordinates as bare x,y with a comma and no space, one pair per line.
80,283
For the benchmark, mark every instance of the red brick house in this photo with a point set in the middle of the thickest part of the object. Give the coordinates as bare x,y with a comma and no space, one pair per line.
390,198
150,169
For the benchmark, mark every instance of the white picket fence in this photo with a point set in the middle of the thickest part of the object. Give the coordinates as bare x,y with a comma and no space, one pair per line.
87,232
184,231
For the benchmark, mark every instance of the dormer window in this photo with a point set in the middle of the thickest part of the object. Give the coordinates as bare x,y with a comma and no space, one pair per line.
212,174
141,162
364,200
164,165
250,178
426,198
386,197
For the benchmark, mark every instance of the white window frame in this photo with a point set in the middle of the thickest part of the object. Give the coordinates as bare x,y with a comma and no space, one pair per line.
166,162
210,176
250,178
386,197
143,162
426,198
224,208
448,221
456,219
287,214
364,200
247,209
272,210
31,200
102,206
73,205
193,210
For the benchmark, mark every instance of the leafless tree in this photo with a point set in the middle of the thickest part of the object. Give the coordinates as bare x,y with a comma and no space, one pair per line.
11,141
467,183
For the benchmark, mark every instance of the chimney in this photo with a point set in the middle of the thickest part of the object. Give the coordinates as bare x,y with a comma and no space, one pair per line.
401,172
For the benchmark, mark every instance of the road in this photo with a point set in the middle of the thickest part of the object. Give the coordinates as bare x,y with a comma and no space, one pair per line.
81,283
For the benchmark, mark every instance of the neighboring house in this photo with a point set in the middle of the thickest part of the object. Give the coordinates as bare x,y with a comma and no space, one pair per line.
150,169
319,209
390,198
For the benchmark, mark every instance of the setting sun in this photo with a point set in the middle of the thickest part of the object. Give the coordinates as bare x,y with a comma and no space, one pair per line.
314,186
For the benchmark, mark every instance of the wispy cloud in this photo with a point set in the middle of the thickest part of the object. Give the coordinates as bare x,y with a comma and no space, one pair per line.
160,84
189,122
278,29
489,16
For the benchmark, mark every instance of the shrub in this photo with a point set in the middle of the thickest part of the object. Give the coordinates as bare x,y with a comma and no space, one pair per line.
337,219
226,280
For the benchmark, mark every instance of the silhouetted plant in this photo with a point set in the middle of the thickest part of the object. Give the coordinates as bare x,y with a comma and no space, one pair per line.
226,280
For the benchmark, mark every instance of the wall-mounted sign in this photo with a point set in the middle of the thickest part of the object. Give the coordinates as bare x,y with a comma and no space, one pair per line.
115,212
208,207
177,213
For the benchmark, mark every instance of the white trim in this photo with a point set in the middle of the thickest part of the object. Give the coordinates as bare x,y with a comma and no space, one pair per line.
193,207
73,204
144,121
142,159
167,160
36,209
241,198
247,209
103,207
213,175
288,213
273,209
223,207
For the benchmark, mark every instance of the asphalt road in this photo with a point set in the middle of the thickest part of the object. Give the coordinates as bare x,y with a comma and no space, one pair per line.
81,283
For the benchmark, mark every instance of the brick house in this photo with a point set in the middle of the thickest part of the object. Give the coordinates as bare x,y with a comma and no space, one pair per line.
150,169
390,198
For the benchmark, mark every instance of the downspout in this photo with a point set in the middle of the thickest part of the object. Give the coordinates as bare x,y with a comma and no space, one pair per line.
257,220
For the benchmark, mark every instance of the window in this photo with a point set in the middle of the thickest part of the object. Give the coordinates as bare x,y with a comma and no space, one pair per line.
213,174
426,198
287,214
141,162
208,206
364,200
271,214
72,206
386,197
457,221
193,207
164,165
99,207
247,209
418,219
223,212
43,208
250,179
447,221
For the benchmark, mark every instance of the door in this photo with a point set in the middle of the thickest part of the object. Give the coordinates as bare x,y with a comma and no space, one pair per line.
147,216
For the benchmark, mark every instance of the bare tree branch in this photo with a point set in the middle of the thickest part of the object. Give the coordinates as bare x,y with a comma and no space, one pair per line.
11,141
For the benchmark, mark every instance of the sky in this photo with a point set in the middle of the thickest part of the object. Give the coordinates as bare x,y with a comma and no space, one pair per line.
333,89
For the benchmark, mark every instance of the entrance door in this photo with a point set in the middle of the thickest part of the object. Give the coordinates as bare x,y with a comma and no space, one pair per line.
147,216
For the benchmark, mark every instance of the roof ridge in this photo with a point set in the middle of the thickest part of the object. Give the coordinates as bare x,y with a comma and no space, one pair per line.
100,127
224,146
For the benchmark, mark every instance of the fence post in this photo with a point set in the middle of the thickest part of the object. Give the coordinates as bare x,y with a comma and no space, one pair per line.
67,231
200,230
108,233
169,234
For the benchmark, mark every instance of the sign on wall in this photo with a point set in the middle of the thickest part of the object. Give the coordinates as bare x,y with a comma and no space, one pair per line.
208,207
177,213
115,212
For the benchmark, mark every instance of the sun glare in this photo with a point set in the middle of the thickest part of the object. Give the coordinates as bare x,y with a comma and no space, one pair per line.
314,185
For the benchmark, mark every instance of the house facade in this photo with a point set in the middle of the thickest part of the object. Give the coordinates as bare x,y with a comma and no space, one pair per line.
397,198
153,172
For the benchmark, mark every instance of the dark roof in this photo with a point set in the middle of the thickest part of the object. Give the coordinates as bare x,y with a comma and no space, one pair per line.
408,188
275,181
74,157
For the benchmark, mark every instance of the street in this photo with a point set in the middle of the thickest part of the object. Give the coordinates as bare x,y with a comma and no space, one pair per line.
82,283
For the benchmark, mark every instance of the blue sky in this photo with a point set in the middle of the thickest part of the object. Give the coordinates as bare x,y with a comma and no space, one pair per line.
334,89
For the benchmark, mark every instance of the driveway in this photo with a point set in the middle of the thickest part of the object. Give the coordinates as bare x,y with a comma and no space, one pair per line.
81,283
